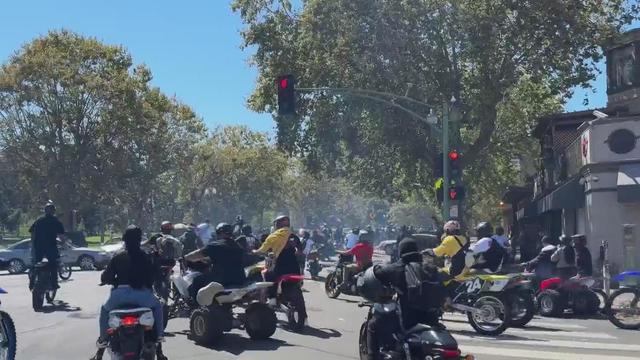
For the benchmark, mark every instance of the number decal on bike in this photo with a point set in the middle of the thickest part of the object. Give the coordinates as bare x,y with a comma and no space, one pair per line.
473,285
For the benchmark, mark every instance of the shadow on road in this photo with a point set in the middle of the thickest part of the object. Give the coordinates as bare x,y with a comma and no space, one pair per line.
60,306
236,344
322,333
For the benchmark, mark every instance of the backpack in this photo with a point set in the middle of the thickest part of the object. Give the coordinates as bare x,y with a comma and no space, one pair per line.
459,260
425,289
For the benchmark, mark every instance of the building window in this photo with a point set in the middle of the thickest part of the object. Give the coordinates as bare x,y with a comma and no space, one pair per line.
622,66
622,141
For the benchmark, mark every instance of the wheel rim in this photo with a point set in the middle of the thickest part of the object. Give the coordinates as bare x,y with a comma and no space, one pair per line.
332,285
15,266
625,309
546,304
199,326
491,314
4,341
87,263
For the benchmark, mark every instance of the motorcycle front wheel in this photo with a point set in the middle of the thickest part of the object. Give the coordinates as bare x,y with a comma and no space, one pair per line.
522,308
331,286
9,339
492,316
64,271
623,308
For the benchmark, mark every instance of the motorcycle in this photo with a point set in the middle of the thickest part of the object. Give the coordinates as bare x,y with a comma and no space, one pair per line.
556,295
418,343
131,335
41,285
332,284
622,306
8,337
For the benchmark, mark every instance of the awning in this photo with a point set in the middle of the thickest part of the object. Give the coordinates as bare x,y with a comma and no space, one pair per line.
529,210
629,183
569,195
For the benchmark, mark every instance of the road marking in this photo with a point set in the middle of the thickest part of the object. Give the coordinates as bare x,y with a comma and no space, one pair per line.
551,343
535,354
553,325
534,332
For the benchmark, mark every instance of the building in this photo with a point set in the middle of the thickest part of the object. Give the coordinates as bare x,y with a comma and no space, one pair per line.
589,173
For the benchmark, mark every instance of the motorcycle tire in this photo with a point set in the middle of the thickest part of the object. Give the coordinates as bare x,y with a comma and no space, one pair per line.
50,295
603,299
11,338
296,311
504,319
205,329
551,303
64,272
611,313
585,302
331,286
260,321
523,302
362,341
37,299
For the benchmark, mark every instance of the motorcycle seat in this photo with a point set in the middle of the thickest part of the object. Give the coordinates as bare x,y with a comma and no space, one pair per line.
626,275
125,310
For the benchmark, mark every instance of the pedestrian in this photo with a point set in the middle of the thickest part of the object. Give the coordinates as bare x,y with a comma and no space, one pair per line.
565,258
584,265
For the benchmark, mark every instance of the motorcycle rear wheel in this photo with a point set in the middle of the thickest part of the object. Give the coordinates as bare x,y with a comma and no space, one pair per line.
260,321
9,341
331,286
495,309
626,316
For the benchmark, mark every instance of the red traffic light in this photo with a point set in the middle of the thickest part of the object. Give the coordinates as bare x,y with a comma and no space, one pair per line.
284,83
457,192
454,155
453,193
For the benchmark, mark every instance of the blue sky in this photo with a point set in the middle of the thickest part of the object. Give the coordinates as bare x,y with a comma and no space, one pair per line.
192,48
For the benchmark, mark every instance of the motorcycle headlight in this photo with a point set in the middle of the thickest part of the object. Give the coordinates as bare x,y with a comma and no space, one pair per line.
146,319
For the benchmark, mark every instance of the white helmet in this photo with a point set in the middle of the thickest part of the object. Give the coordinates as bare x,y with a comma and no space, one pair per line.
451,225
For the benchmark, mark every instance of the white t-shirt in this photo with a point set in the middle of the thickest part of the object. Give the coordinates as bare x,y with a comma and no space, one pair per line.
352,240
481,245
502,240
204,233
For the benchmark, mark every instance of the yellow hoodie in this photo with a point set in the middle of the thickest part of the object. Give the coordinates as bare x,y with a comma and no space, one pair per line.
276,241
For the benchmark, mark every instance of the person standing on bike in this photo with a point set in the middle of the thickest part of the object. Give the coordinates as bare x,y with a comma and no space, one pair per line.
282,243
44,244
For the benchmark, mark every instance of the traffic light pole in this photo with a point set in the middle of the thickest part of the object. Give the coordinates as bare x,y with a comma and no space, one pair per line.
445,163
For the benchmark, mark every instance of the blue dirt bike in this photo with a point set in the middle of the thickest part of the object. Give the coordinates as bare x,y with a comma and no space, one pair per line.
623,306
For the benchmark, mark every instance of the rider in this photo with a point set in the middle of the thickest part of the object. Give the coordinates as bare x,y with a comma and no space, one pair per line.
542,265
190,241
454,245
363,252
584,263
394,275
282,242
352,238
565,258
131,272
488,253
227,259
44,232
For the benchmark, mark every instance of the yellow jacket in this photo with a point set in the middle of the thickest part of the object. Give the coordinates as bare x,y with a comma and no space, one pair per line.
276,241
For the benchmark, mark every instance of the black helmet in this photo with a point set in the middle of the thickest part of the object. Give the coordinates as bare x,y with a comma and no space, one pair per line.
484,229
282,221
246,229
224,230
370,288
49,208
565,239
355,230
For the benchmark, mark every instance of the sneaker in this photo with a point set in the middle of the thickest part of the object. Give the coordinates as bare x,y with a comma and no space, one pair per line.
101,343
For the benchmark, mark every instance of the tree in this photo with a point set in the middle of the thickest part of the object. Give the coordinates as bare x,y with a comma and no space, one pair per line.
84,128
475,50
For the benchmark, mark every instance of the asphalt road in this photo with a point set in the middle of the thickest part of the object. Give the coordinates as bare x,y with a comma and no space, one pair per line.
67,331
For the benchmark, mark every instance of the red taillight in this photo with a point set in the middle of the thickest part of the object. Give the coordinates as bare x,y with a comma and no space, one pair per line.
451,354
129,321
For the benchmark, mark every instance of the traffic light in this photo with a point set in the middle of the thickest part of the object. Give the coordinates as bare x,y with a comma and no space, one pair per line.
286,95
455,171
457,192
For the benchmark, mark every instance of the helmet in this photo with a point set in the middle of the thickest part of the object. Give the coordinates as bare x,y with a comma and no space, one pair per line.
370,288
364,235
484,229
224,229
49,208
246,229
282,221
355,230
166,226
565,239
451,226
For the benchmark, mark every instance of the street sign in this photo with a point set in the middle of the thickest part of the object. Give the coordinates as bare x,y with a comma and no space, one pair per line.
453,211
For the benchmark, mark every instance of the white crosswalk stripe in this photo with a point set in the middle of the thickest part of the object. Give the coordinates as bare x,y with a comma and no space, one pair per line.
479,351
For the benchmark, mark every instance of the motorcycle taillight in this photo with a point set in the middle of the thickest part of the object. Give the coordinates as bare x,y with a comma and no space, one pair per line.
451,353
129,321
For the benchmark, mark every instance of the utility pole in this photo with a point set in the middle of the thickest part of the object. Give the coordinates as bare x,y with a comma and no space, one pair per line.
445,163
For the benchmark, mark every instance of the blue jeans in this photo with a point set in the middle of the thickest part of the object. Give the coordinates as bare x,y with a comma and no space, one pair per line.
126,295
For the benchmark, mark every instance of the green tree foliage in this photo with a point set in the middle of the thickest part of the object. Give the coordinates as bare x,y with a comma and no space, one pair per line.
476,50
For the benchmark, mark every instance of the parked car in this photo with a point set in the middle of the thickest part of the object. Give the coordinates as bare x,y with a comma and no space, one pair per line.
17,257
425,241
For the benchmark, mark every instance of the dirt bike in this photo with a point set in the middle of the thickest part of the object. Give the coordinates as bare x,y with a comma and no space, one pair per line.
8,337
623,306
